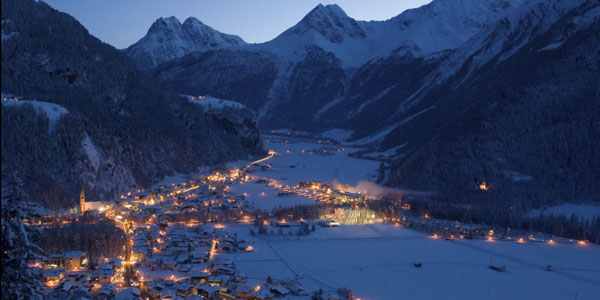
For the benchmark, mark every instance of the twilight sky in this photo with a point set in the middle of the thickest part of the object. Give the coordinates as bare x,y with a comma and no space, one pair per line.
121,23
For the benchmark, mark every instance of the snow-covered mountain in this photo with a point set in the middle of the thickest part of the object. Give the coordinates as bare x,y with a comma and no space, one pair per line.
438,26
168,39
331,71
430,84
317,59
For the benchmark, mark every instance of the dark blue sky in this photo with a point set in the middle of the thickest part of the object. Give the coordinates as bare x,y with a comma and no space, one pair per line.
121,23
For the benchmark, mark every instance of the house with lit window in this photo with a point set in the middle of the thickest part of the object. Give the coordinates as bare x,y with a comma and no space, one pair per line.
75,260
51,278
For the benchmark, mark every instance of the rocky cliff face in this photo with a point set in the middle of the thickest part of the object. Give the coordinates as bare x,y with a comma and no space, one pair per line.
120,129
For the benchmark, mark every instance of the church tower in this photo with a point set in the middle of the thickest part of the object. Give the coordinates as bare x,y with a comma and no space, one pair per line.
82,199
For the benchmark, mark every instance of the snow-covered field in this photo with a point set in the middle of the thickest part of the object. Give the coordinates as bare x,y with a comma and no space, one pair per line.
376,262
585,211
291,165
265,198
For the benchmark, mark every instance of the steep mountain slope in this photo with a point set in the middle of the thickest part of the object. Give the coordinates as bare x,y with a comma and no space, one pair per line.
316,60
168,39
119,129
224,73
524,120
440,74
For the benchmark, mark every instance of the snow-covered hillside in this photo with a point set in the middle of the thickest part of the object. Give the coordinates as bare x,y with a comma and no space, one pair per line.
502,38
210,103
168,39
51,110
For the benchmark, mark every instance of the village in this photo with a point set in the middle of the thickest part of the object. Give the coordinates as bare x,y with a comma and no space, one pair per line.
175,235
180,246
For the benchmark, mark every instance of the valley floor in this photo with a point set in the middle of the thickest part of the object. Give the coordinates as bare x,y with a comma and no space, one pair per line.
375,261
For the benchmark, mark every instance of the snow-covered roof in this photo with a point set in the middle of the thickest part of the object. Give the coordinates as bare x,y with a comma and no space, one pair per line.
74,254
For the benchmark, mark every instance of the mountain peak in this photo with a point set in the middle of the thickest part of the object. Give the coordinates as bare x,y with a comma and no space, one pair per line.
193,21
331,22
330,9
161,24
171,20
168,39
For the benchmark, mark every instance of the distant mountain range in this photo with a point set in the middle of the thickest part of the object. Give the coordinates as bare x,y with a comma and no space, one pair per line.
499,86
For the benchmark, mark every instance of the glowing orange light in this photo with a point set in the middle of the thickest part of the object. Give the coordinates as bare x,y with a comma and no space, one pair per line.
582,243
551,242
483,186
